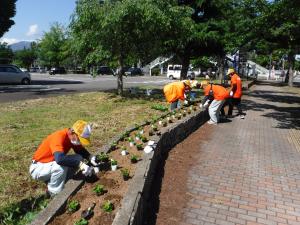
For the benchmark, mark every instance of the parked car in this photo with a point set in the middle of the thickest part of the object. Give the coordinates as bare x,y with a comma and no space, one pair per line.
174,72
105,70
133,71
13,74
57,70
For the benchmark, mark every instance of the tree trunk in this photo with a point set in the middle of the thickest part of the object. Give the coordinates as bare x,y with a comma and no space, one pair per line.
221,67
291,59
185,62
120,75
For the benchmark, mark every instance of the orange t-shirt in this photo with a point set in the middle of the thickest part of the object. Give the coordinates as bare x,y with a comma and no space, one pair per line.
174,91
55,142
219,92
236,80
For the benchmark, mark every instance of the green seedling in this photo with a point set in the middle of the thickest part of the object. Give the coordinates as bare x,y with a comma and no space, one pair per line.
108,206
102,157
139,147
134,159
125,174
144,139
99,189
114,162
73,206
130,139
81,221
113,146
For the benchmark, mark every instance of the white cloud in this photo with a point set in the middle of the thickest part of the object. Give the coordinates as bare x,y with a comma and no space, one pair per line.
9,41
33,29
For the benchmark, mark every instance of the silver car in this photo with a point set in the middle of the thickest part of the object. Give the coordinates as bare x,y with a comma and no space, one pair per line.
12,74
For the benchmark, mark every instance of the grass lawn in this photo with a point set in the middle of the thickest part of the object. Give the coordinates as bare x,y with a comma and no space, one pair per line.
24,124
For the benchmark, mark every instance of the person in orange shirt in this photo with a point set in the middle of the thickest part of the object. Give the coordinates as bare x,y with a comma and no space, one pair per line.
235,93
175,91
215,97
51,162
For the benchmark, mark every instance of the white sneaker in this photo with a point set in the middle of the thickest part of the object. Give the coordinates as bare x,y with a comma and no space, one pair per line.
212,122
242,117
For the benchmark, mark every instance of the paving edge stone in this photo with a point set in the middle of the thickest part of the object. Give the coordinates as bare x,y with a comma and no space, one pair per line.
132,204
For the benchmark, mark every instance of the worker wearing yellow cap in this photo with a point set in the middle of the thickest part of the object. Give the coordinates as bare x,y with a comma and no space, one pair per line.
52,164
175,91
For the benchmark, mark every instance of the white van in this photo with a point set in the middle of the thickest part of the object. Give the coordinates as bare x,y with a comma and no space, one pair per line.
175,70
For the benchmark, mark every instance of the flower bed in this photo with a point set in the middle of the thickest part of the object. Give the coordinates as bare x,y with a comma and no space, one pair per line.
114,185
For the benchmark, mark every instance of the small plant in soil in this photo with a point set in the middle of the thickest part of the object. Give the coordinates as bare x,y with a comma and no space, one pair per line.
147,122
184,113
73,206
160,122
81,221
178,116
169,120
164,124
108,206
144,139
154,127
141,131
124,150
139,147
102,157
134,159
188,111
125,174
113,146
99,189
194,108
151,132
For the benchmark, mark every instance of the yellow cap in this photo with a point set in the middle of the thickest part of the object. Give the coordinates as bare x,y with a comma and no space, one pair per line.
83,130
187,82
230,70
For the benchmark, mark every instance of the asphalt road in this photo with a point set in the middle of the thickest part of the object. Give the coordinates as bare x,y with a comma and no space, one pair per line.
44,85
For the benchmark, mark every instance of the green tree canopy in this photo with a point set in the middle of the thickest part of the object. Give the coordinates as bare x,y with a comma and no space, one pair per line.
6,54
7,11
26,57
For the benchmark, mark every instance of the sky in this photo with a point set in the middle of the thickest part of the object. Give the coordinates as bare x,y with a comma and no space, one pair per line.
34,17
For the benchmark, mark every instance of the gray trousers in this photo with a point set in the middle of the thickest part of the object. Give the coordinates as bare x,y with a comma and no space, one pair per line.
214,110
51,173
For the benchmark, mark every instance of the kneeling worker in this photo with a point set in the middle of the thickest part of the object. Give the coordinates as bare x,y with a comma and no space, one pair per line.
215,96
50,162
175,91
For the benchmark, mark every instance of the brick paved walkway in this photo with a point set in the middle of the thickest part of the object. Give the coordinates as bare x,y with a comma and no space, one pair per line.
248,171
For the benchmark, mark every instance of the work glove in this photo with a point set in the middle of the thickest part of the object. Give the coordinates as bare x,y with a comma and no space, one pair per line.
231,93
85,169
94,162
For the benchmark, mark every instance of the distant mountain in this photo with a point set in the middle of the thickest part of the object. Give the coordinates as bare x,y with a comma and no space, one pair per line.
20,45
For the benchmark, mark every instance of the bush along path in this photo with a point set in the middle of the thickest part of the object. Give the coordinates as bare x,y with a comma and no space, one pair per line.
119,161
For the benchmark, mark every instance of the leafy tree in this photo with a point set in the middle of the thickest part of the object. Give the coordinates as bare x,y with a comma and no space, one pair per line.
6,54
26,57
117,30
280,25
51,47
7,11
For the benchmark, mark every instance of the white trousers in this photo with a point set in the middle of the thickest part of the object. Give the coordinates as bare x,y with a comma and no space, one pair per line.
214,110
51,173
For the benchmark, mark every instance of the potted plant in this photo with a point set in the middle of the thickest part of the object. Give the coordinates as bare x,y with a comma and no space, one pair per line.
125,174
139,147
73,206
81,221
114,165
134,159
89,212
108,206
99,189
188,111
131,142
138,136
124,151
